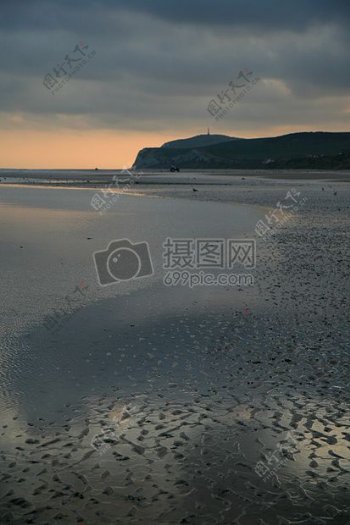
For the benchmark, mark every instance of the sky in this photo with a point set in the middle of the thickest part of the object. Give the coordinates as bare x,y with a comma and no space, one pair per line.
148,69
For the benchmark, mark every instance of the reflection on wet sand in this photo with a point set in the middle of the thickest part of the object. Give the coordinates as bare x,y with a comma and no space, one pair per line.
172,461
176,445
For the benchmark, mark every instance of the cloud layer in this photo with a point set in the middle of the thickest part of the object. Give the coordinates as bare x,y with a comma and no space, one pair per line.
159,63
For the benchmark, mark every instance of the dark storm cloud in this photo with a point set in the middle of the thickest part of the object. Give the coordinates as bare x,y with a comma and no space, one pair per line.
162,61
269,14
261,14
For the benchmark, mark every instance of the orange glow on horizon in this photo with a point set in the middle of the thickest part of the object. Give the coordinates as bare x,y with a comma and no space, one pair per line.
28,149
103,149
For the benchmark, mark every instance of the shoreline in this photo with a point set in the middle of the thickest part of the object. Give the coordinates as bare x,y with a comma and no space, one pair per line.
90,179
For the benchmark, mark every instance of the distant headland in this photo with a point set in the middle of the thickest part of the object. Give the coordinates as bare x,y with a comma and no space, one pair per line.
304,150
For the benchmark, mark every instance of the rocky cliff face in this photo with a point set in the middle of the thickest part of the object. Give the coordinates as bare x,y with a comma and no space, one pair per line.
188,152
157,159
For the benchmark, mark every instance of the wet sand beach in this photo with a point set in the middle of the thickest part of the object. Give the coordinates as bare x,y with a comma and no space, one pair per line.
144,403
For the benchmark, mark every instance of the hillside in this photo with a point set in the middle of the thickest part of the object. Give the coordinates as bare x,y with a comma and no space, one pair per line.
199,141
306,150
